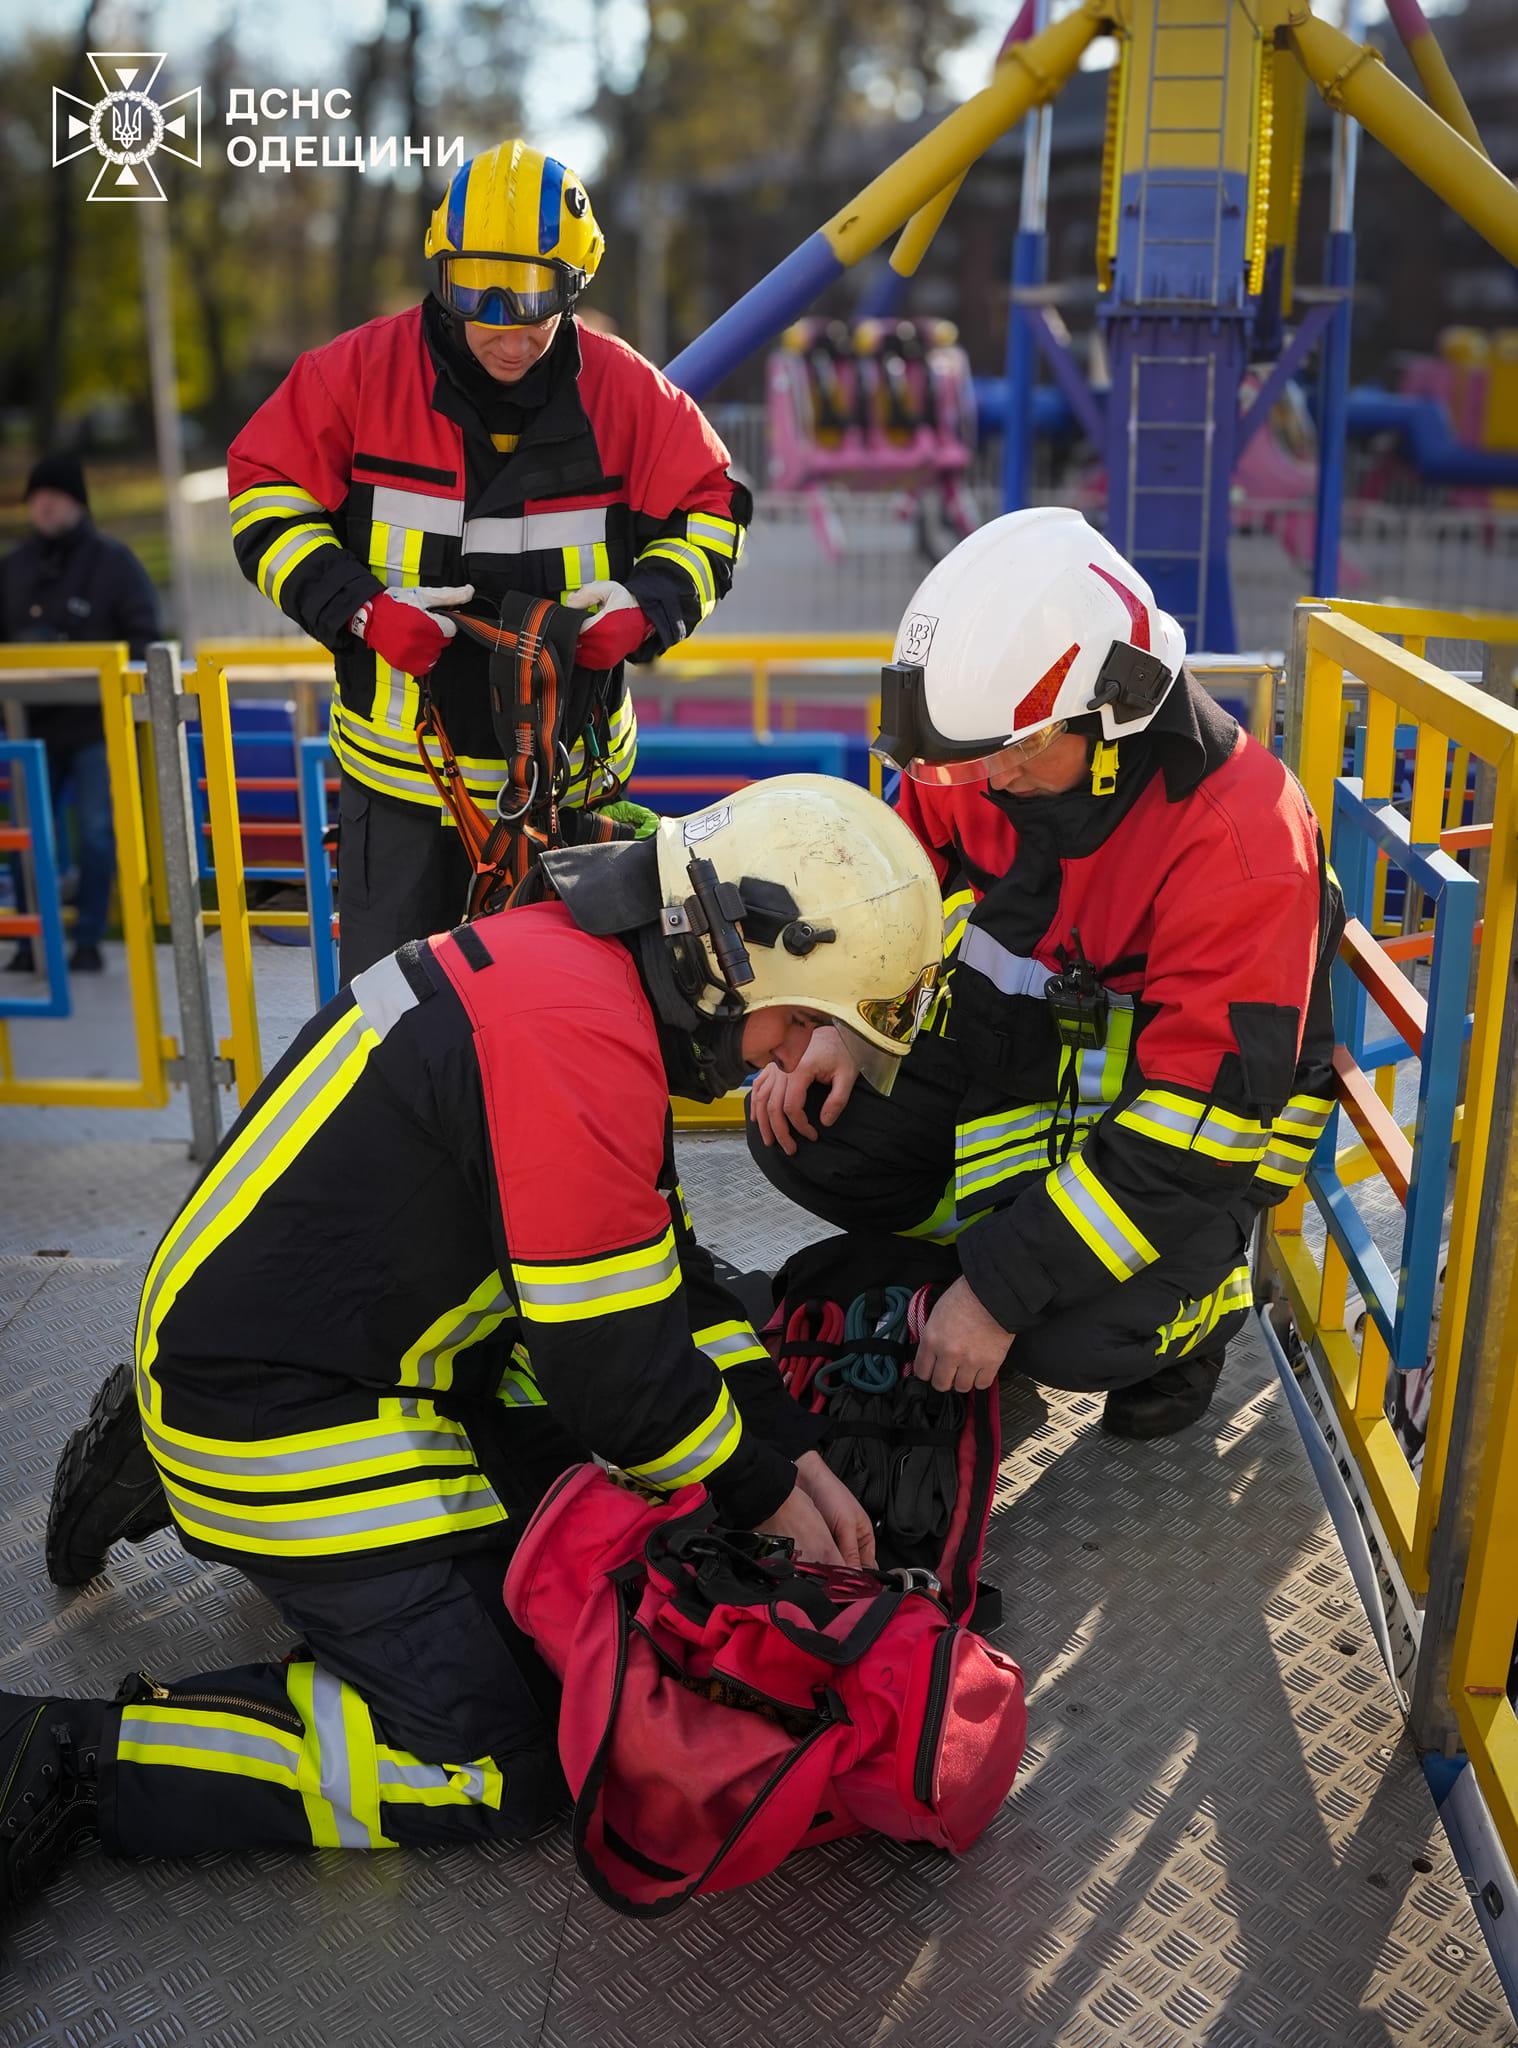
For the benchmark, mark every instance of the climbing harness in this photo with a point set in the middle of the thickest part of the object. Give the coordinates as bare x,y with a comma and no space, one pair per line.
541,706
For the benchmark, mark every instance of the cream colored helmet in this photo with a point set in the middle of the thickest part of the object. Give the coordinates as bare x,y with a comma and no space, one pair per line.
809,892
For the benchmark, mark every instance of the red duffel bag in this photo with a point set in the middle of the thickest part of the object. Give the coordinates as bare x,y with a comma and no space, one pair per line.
724,1705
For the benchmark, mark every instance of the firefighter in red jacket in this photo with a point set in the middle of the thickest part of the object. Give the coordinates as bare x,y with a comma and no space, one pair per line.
443,1254
1131,1053
481,443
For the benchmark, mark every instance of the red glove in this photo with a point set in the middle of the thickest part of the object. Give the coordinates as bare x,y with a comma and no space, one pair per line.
401,627
618,628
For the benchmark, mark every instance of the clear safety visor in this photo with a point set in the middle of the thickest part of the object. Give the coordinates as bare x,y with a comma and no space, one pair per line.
947,774
506,291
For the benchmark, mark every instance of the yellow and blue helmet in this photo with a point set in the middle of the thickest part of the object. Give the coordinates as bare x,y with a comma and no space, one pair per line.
514,238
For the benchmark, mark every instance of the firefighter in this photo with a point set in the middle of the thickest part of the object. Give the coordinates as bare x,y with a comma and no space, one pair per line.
483,442
442,1255
1131,1053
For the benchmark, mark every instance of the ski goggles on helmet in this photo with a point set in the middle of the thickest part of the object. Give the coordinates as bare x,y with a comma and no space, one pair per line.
909,740
507,291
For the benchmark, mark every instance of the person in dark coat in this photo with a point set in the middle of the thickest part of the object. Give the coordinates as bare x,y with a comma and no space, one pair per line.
69,581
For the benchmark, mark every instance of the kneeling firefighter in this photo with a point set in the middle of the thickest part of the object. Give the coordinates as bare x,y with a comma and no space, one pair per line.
1131,1052
441,1256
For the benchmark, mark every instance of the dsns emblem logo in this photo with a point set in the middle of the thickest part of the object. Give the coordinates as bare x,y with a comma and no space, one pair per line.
126,125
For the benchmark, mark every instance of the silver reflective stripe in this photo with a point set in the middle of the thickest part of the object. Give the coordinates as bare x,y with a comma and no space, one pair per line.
282,551
1117,1241
1226,1139
415,1514
275,504
398,1446
662,1473
972,1139
740,1343
1013,973
1183,1122
162,1734
459,1336
534,530
383,993
434,1777
418,509
629,1280
392,561
250,1162
332,1755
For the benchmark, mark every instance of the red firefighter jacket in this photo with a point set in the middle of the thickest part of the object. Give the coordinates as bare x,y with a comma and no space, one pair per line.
442,1254
369,468
1200,895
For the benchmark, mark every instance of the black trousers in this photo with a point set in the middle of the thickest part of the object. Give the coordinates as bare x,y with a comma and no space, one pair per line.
402,873
887,1166
413,1711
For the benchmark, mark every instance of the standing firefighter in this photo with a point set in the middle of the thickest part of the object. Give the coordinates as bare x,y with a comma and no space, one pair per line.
482,445
442,1255
1132,1053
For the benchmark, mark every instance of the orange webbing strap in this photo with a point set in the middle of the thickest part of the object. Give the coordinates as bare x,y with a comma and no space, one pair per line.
525,688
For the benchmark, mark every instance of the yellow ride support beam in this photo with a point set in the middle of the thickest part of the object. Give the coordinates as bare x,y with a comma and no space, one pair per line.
1031,73
1354,80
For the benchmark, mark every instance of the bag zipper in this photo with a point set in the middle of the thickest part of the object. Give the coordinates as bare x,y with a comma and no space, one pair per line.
932,1722
259,1709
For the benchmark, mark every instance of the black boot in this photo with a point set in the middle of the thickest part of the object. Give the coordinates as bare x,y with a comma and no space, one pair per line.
1171,1399
755,1292
49,1787
106,1487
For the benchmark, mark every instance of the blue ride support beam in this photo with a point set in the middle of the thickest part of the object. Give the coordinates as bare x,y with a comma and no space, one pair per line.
1029,260
1030,268
1030,73
1333,403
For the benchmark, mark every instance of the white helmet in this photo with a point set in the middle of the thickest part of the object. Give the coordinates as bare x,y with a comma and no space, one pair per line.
1031,621
804,890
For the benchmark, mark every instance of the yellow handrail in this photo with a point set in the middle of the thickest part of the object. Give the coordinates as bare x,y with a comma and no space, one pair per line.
118,686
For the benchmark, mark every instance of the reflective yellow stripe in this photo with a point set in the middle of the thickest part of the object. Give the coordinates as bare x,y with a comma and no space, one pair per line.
256,1155
729,1344
1293,1139
270,501
1101,1070
577,1291
956,915
693,562
518,1386
386,759
722,536
1099,1220
429,1361
404,1780
338,1773
315,1462
1190,1124
710,1444
285,554
380,1518
1198,1319
201,1739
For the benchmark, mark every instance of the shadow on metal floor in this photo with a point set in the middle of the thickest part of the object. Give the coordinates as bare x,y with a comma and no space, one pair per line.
1220,1835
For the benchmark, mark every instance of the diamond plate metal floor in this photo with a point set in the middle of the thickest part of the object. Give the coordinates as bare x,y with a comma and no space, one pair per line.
1219,1835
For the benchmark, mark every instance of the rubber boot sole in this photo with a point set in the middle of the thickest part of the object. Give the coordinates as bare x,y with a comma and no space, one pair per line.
106,1488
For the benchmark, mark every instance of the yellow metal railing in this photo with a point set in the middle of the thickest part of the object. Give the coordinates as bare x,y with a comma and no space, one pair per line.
118,687
223,664
1401,687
